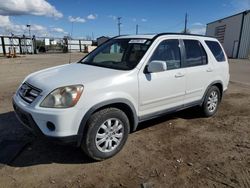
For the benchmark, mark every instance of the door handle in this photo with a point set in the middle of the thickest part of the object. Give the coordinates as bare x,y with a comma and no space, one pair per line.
179,74
209,70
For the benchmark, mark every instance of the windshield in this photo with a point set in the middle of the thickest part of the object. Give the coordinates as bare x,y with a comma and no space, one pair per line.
121,54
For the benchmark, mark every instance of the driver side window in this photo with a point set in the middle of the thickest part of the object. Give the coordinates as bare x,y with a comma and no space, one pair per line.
168,51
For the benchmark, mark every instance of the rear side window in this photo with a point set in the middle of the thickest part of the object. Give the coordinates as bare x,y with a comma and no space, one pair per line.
195,53
216,50
169,52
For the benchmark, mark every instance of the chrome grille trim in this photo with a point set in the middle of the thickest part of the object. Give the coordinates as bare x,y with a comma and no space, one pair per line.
28,92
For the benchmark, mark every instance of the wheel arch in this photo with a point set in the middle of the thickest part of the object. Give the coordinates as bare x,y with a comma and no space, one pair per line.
123,104
216,83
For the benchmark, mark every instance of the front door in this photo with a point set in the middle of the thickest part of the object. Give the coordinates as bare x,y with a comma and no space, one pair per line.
163,90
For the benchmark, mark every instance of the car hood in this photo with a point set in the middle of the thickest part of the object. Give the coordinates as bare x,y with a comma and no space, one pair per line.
69,74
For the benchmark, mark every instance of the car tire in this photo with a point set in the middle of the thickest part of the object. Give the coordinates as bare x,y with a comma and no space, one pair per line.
107,132
211,102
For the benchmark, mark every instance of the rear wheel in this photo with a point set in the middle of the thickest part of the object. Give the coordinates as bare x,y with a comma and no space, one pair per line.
107,133
211,101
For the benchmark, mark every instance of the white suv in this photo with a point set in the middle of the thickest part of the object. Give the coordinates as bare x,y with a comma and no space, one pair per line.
99,100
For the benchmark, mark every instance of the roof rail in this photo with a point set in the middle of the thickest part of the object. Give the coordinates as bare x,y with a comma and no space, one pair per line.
187,34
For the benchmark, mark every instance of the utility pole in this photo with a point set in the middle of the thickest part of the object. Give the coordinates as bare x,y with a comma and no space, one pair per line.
70,43
29,26
136,29
119,25
185,28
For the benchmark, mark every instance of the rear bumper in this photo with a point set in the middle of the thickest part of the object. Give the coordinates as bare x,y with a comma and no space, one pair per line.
27,120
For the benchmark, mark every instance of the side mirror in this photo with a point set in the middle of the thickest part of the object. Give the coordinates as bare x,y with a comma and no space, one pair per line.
156,66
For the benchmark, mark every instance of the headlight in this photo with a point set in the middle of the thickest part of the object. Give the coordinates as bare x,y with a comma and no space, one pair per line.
63,97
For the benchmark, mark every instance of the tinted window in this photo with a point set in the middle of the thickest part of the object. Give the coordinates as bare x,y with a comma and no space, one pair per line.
216,50
169,52
195,53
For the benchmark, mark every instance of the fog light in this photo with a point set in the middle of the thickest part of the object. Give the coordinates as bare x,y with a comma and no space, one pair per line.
51,126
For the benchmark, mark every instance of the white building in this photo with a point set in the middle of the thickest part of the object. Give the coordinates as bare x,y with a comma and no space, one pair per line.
234,34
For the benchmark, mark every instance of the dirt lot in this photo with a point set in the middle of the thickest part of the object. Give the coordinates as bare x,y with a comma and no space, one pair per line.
178,150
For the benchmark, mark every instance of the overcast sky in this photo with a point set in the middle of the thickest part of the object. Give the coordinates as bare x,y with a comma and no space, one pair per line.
98,17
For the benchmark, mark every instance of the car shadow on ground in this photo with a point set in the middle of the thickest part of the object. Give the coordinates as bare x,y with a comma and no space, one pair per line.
35,151
190,113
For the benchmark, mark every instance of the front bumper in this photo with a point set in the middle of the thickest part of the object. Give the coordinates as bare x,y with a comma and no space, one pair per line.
65,121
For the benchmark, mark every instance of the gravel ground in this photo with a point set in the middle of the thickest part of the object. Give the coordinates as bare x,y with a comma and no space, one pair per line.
178,150
240,71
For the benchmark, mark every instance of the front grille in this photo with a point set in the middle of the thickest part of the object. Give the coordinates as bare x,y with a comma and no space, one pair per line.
28,92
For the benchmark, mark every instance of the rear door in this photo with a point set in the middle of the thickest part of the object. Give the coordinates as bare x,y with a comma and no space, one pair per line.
198,70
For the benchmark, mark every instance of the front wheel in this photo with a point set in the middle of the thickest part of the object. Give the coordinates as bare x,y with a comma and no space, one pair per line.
107,132
211,101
